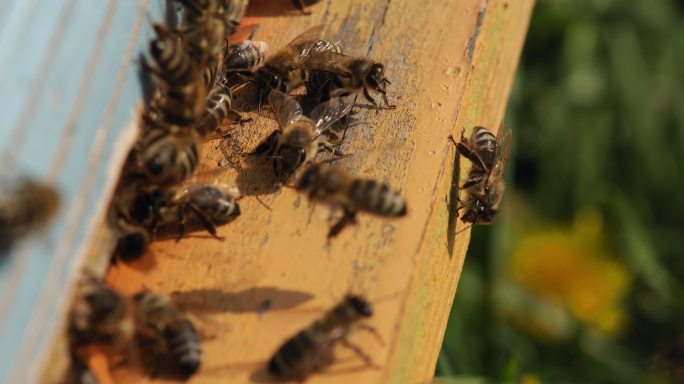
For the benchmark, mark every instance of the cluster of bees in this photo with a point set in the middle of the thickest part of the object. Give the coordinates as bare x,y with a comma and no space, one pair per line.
198,80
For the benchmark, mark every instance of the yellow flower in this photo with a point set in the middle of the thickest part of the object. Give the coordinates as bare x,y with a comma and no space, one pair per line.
569,267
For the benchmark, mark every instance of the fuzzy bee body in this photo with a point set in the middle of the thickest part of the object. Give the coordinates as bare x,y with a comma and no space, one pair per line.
330,73
336,186
99,315
311,349
158,320
300,138
485,184
167,156
25,205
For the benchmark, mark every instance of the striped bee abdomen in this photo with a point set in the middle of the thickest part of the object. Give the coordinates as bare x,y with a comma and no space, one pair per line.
373,197
184,345
298,357
485,142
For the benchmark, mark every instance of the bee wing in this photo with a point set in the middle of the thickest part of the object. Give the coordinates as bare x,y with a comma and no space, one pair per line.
504,145
325,114
285,108
308,37
328,61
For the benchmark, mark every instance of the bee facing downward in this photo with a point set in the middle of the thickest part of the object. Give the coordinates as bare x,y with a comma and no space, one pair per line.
485,185
337,187
300,138
311,350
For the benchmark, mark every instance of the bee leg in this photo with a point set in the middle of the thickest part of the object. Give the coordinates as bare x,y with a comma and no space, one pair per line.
348,218
384,98
181,221
464,151
359,352
370,98
206,222
373,331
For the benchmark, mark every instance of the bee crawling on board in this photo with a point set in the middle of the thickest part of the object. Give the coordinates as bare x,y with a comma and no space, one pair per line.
485,184
100,317
153,209
312,349
281,71
330,73
169,331
299,138
26,205
335,186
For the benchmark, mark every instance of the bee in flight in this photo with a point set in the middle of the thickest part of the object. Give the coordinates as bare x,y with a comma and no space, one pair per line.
169,330
485,185
25,205
299,138
335,186
330,73
312,349
281,71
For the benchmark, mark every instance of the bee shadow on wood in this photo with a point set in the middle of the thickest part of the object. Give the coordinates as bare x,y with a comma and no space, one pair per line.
258,300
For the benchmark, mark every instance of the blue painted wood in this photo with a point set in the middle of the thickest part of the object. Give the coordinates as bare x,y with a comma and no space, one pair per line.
68,87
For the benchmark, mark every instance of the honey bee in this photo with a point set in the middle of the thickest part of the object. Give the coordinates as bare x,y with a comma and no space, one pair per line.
485,185
311,350
180,97
281,70
337,187
207,23
332,74
167,155
169,329
156,208
300,138
302,4
99,315
133,241
25,205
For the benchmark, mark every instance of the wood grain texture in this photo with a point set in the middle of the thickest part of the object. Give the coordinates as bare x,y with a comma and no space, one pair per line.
451,66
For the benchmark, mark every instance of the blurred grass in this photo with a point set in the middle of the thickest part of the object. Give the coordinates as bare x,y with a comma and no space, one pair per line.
598,126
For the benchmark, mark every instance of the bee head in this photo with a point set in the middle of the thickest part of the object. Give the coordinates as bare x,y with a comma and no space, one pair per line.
376,77
309,178
131,246
360,305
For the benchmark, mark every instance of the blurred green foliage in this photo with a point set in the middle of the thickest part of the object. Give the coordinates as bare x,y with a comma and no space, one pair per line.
582,277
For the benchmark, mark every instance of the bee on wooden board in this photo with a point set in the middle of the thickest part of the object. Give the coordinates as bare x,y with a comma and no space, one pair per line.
99,315
25,205
281,70
237,60
166,155
329,73
207,24
485,185
181,93
299,138
312,349
170,331
153,209
335,186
